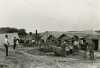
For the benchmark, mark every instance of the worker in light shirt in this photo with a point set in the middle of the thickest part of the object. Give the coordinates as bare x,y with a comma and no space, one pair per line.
6,44
76,45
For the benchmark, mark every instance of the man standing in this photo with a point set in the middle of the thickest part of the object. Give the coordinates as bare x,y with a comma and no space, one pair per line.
6,44
91,49
15,40
84,47
63,46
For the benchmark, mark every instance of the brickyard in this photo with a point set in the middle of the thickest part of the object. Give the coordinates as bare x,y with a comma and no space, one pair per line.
61,52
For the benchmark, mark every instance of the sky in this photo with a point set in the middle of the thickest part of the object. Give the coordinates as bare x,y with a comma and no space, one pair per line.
50,15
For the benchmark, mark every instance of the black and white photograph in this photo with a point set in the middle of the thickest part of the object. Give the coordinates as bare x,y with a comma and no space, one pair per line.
49,33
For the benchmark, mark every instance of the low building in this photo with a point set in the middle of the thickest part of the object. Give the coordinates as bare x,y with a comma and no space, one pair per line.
55,37
95,38
96,41
60,36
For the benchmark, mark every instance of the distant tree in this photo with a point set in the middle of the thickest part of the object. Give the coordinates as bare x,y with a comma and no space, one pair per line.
8,30
22,32
98,31
13,30
30,33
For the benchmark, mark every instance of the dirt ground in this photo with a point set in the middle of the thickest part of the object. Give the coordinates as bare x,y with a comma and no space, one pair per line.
22,59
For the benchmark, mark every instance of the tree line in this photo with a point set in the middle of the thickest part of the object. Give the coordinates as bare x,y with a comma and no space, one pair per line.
13,30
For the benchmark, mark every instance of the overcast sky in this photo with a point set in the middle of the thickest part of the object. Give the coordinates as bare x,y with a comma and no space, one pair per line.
51,15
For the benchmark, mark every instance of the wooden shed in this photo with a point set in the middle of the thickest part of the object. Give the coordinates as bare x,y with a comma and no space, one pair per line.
96,40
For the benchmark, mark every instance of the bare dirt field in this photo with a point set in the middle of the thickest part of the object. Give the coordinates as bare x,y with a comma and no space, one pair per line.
22,59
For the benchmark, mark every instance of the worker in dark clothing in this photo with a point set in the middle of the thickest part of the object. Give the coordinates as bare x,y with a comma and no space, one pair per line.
91,49
63,46
85,46
15,43
6,44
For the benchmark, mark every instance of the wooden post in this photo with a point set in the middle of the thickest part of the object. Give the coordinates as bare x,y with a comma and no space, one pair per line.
36,38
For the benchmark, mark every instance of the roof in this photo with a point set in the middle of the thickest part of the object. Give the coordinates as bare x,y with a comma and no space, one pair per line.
46,34
93,37
64,36
51,36
80,34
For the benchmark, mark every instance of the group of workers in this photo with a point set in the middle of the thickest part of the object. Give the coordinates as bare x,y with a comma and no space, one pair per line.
7,44
75,46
